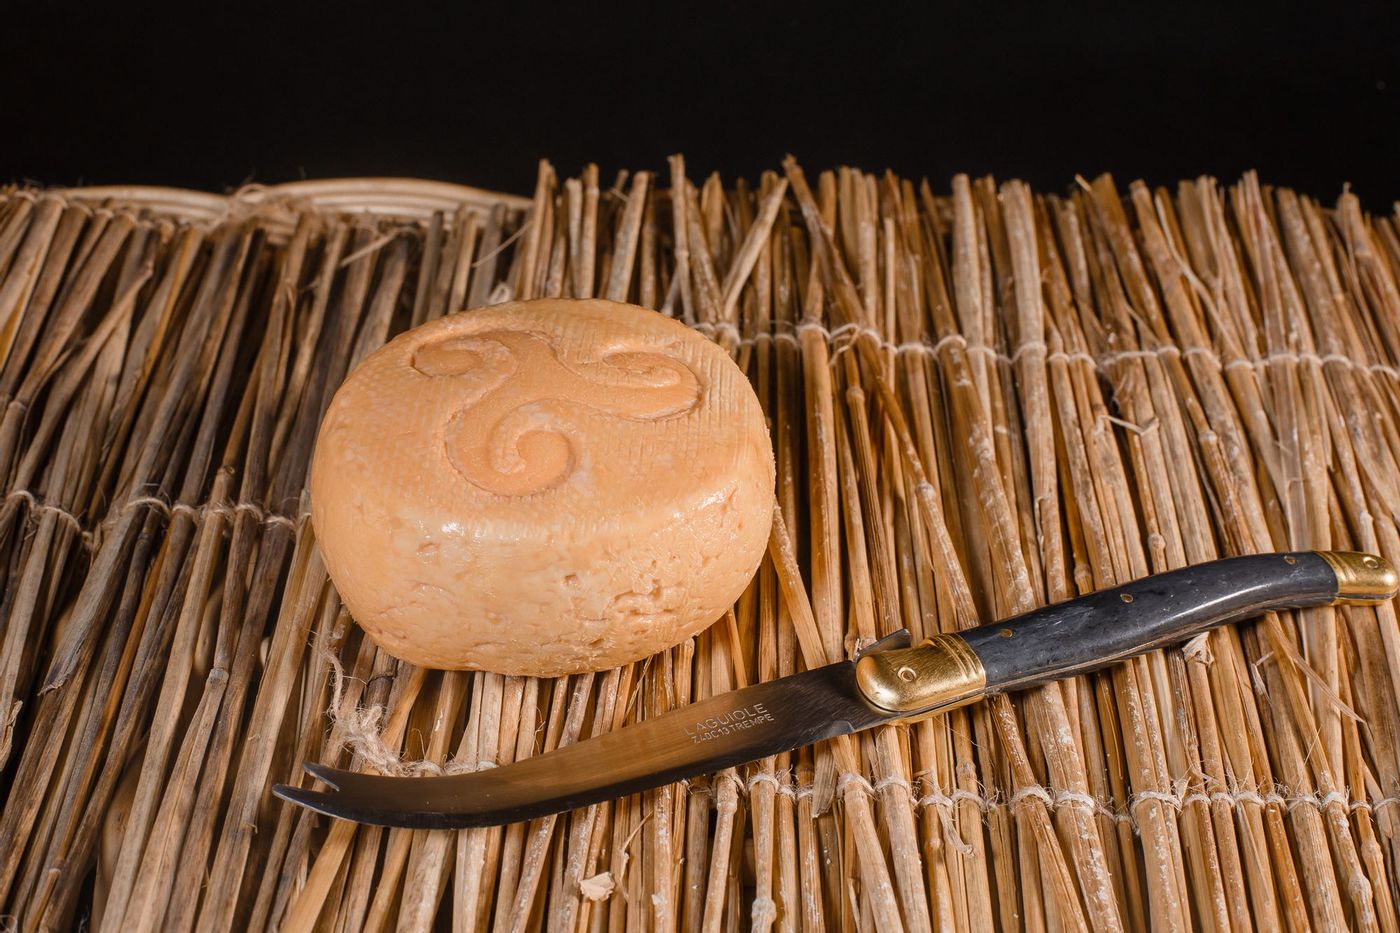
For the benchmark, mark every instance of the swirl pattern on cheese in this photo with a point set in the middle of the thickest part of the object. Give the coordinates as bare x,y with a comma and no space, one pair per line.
515,434
542,487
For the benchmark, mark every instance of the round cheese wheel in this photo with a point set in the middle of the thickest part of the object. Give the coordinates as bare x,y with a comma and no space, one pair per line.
542,487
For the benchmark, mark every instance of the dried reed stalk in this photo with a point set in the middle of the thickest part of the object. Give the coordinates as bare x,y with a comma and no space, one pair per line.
979,402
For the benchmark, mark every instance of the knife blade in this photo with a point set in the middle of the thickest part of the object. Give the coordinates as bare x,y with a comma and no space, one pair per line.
889,682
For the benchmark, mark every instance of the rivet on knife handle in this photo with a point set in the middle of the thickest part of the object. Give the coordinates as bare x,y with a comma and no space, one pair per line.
941,673
1362,579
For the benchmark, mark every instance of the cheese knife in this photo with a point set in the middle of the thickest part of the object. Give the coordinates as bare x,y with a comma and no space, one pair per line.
891,681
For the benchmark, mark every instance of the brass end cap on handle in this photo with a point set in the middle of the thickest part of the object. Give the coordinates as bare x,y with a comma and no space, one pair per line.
1362,579
941,673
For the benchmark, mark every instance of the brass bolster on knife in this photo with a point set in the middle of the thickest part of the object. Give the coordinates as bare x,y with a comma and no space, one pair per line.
941,673
1362,579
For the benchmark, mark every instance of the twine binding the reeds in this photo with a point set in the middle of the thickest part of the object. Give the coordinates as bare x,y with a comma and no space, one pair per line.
842,337
196,513
360,732
278,206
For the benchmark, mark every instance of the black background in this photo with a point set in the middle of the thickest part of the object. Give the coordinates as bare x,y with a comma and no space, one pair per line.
477,94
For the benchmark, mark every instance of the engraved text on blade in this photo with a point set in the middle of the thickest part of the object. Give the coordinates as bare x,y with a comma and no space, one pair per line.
712,727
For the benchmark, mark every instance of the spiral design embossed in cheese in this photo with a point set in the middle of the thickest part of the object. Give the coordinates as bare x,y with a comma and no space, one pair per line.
517,434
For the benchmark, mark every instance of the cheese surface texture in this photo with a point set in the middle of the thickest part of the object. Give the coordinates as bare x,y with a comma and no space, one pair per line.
542,487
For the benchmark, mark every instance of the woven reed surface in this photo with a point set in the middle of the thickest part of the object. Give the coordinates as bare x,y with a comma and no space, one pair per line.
980,401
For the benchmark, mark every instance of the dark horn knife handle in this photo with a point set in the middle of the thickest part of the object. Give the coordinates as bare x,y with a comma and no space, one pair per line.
1111,625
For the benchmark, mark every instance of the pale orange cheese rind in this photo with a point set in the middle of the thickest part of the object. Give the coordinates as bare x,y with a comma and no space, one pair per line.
542,488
